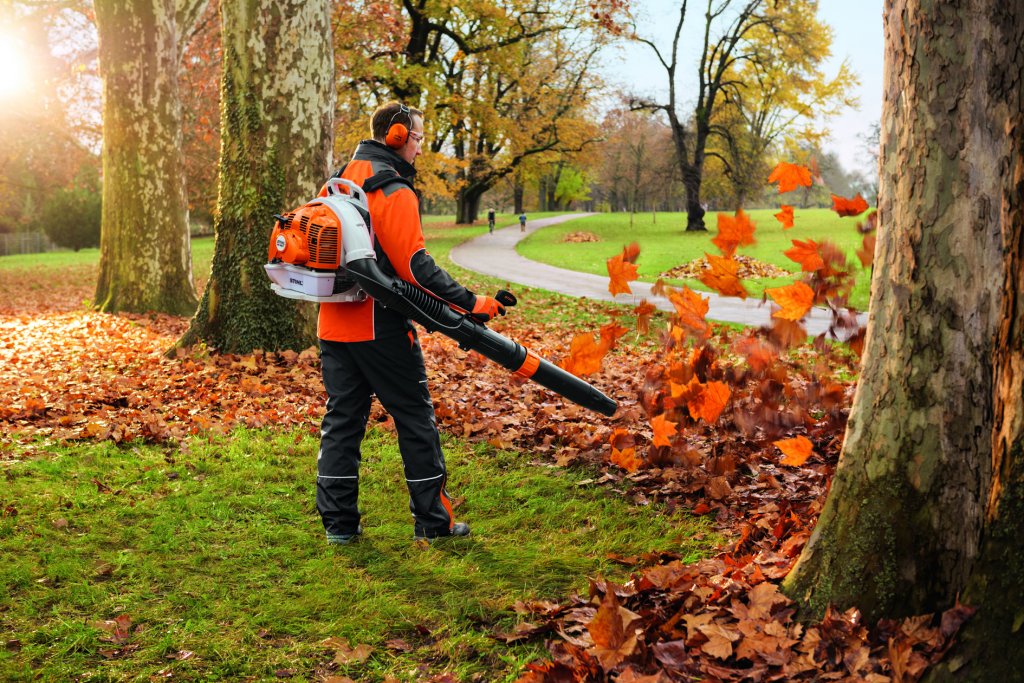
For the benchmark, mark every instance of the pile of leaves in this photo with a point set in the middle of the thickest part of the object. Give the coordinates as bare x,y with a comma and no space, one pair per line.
750,267
581,236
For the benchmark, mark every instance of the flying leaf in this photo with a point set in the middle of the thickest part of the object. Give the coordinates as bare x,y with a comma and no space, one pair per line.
866,253
795,299
626,459
584,355
710,403
849,207
691,309
806,254
733,231
643,312
631,252
796,450
663,428
785,216
609,333
723,276
621,273
790,176
758,354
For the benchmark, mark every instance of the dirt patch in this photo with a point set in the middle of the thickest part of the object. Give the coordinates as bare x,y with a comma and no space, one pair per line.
581,237
749,268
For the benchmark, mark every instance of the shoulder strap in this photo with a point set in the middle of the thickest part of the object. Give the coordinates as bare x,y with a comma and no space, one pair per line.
383,179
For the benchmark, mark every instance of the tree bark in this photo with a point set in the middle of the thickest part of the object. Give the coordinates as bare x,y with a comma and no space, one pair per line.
517,195
927,502
467,204
145,254
277,95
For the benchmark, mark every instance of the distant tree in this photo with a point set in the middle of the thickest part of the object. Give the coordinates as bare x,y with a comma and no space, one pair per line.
70,216
749,25
277,95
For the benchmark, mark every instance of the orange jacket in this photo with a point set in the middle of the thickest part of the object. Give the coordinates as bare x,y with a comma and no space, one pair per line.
398,241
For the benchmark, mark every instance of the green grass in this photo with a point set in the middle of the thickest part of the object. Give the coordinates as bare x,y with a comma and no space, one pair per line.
216,549
664,244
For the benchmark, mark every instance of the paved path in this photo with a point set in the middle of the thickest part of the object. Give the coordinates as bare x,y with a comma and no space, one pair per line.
495,255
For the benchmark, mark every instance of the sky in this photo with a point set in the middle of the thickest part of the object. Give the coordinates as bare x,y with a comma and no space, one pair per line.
857,38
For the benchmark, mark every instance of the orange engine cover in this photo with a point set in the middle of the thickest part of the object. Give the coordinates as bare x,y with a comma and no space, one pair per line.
310,236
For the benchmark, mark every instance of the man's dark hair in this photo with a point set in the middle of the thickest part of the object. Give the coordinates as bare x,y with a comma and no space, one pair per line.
388,114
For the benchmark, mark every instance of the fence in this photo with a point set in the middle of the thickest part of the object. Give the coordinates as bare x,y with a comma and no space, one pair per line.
24,243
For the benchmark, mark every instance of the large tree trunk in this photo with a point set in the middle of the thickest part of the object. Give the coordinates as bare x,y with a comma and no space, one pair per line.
467,204
145,256
517,196
692,177
927,499
277,96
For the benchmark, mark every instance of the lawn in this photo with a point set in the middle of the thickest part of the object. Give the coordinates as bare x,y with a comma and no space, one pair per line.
216,556
664,244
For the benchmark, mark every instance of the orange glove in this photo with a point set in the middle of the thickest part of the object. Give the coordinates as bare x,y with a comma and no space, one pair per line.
486,308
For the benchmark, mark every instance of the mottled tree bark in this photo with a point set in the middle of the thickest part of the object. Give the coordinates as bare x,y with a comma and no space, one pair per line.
145,257
277,104
927,502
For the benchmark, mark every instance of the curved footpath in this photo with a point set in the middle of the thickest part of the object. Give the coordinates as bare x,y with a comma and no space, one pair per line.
495,255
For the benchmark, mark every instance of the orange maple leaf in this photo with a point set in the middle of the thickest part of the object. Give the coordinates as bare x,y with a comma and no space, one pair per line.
733,231
758,354
663,428
621,273
723,276
849,207
631,252
643,313
691,309
796,450
866,253
626,459
710,403
806,254
785,217
790,176
795,300
584,355
609,333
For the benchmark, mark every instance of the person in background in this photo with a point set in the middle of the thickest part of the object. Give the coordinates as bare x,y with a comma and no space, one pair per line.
490,220
522,222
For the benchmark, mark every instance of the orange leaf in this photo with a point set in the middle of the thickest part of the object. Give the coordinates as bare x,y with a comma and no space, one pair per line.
643,314
790,176
785,217
663,428
723,276
621,439
691,309
849,207
584,355
621,273
806,254
626,459
758,354
710,403
631,252
733,231
866,253
796,450
795,299
609,333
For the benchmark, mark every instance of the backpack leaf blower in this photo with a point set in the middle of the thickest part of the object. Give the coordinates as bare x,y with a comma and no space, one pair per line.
323,251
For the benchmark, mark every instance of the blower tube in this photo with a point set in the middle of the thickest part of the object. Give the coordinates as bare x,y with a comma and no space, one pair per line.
436,316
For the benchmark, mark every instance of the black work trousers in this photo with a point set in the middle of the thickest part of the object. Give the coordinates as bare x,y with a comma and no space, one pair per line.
392,368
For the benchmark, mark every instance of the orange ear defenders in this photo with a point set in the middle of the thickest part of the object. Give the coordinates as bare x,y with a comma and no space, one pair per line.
398,133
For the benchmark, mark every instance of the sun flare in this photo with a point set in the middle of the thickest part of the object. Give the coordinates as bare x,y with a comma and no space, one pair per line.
14,68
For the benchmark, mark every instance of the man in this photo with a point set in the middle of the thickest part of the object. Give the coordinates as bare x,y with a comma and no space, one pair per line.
367,349
490,220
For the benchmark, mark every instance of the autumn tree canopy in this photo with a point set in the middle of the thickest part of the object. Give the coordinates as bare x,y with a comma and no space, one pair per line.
742,41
